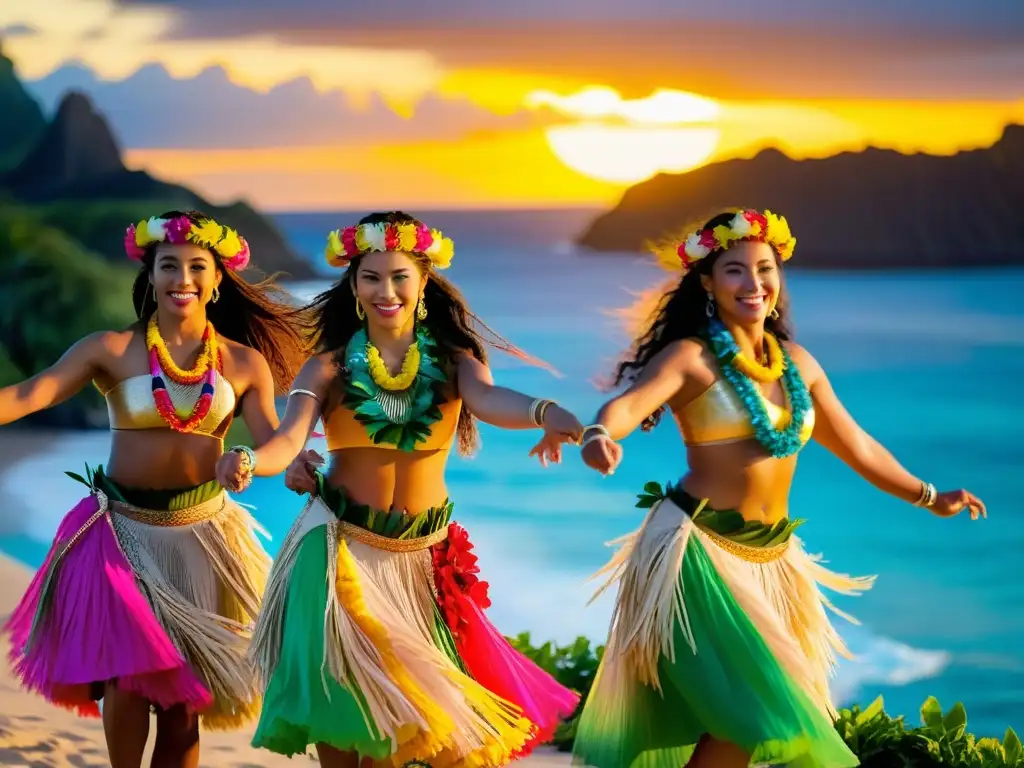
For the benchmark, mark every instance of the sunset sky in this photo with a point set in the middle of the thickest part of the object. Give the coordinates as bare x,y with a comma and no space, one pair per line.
326,104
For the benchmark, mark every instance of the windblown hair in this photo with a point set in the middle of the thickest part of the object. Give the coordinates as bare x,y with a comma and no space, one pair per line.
681,313
332,321
259,315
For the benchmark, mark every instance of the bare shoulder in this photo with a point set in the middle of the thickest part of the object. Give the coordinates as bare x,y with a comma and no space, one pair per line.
104,346
805,361
683,354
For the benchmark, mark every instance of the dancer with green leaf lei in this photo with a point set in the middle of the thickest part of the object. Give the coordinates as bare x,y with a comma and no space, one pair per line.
720,649
373,642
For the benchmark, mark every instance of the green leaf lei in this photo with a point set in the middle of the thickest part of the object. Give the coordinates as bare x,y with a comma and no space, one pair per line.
402,419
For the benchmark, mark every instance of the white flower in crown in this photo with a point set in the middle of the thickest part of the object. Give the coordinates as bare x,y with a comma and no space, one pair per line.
155,228
374,234
740,225
694,249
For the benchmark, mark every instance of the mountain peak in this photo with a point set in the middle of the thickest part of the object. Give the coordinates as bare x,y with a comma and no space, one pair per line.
23,119
78,147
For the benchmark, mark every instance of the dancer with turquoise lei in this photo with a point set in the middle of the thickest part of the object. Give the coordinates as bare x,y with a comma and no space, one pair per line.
721,650
373,642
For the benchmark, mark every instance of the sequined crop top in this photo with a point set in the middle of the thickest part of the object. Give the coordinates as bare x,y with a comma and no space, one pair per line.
343,431
717,416
130,405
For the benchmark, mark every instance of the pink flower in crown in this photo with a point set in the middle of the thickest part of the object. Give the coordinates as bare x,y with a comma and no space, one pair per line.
423,238
177,230
240,260
348,240
708,239
130,247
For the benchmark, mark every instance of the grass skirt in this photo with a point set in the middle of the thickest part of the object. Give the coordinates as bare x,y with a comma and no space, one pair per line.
158,596
719,629
373,640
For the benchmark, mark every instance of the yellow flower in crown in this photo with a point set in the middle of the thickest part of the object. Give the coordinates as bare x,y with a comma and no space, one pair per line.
343,245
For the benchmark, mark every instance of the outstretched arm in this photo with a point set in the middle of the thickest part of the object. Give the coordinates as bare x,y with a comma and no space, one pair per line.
661,379
65,378
506,408
841,435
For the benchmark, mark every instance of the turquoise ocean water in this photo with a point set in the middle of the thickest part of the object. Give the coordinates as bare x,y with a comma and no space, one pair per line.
930,363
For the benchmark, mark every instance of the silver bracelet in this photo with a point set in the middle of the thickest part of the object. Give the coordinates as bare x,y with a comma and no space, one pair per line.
592,433
928,495
537,410
305,392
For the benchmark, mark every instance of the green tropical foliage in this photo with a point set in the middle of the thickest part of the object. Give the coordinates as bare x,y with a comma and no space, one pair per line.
880,741
52,293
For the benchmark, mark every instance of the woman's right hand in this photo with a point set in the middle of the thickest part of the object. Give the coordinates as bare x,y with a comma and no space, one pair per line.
301,473
603,454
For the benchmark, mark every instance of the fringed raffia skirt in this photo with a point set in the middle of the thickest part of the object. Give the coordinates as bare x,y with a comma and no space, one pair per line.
719,629
373,640
155,591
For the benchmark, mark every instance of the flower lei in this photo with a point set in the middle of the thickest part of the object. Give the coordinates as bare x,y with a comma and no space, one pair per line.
402,419
748,224
763,373
230,246
778,442
343,245
379,371
205,370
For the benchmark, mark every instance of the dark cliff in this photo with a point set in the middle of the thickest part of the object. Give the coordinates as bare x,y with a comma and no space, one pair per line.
865,210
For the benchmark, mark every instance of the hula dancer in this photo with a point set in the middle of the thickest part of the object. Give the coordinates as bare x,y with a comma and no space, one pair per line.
147,596
373,640
720,649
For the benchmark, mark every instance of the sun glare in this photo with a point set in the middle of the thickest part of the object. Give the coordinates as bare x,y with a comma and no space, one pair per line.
625,141
628,154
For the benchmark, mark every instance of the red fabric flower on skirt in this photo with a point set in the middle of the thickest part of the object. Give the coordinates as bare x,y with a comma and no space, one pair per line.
455,576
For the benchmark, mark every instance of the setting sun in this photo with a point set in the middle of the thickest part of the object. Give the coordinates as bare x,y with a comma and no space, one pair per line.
628,140
627,154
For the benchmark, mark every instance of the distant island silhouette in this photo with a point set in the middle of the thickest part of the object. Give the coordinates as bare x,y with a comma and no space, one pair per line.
875,209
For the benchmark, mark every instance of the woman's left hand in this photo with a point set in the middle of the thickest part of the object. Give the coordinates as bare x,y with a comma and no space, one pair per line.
560,427
952,503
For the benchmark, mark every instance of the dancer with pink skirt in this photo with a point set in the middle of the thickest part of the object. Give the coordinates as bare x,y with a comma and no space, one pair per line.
147,597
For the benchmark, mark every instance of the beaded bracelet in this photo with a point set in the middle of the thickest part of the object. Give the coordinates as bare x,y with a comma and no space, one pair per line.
249,457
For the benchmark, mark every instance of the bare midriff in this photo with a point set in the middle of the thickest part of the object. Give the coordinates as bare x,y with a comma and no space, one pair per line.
385,478
162,459
739,476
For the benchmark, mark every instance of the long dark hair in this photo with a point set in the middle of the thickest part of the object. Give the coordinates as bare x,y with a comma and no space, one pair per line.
681,313
259,315
332,321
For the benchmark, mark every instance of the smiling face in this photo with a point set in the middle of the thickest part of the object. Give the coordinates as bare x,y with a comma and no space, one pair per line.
388,285
745,282
183,278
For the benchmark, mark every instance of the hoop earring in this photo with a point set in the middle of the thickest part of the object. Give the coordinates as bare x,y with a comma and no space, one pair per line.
216,294
709,308
359,310
421,309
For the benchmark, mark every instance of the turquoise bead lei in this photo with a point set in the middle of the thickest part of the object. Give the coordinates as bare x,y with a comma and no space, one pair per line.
780,443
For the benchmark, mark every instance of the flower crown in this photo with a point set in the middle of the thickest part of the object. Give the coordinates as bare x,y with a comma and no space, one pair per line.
343,245
230,246
747,224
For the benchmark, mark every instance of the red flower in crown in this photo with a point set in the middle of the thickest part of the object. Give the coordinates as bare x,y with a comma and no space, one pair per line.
391,241
756,217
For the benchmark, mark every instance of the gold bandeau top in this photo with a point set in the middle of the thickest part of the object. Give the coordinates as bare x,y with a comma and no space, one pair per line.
130,404
717,416
343,431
